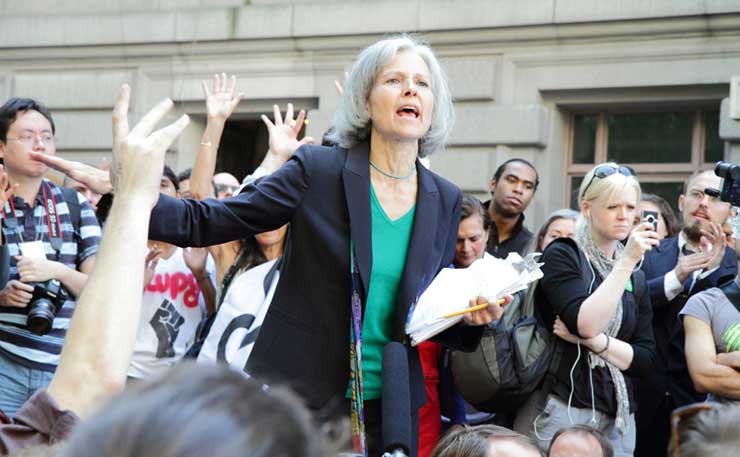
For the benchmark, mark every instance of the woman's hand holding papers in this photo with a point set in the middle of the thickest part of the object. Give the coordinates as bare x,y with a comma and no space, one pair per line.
485,316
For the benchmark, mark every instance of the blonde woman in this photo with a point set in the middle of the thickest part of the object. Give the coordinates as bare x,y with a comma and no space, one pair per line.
593,295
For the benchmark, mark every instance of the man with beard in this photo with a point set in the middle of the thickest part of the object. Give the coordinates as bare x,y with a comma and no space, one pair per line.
512,188
678,268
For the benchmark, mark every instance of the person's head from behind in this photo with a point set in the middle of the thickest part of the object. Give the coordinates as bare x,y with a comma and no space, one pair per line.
25,125
225,184
485,441
608,199
667,223
472,233
196,411
513,186
560,224
42,450
698,209
90,196
705,430
183,180
168,184
397,92
580,441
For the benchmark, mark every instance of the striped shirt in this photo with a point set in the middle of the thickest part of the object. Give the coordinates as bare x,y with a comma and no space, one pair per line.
16,342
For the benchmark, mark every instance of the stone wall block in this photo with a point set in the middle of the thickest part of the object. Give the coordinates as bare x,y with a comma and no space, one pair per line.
456,14
264,21
485,123
474,78
85,89
83,129
349,17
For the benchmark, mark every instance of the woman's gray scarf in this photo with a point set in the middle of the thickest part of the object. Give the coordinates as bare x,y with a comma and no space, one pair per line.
604,266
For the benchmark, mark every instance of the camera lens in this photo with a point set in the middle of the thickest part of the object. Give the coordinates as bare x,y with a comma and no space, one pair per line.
41,316
722,168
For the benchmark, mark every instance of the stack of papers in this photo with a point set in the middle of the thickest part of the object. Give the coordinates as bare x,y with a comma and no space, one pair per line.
453,288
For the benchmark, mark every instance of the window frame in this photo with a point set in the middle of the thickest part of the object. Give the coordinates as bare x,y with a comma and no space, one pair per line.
648,172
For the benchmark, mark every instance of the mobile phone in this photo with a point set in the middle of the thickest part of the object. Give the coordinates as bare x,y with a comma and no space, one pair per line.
650,216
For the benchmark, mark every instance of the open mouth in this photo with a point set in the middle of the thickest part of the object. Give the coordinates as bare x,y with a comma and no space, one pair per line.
409,111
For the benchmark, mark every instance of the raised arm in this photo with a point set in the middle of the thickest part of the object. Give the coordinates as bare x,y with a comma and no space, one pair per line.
596,311
98,347
220,103
261,207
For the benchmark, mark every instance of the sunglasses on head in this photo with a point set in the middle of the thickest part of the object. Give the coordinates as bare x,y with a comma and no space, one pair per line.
604,171
682,414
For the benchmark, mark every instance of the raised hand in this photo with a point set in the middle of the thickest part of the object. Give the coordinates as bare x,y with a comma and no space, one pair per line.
5,192
138,154
195,259
220,100
713,244
338,85
150,263
284,132
642,239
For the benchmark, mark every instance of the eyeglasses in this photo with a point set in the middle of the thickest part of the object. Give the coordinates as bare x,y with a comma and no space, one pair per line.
604,171
681,415
225,188
29,139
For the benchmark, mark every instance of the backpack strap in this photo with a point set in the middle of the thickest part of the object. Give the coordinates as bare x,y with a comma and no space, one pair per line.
732,292
73,203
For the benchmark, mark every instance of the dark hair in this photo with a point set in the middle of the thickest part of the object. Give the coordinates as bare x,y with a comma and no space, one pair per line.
470,206
475,441
607,449
502,167
184,175
169,173
666,212
326,139
200,410
9,112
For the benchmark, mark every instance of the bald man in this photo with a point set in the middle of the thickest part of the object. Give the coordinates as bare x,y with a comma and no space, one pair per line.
226,184
580,441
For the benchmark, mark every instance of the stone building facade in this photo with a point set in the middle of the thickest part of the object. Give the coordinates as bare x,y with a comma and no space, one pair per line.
564,84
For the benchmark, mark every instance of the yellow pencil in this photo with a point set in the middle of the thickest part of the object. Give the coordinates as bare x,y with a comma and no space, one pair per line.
471,309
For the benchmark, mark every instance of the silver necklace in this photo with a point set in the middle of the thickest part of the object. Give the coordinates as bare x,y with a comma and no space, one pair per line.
384,173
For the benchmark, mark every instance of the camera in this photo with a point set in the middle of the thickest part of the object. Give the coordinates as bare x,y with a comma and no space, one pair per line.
48,298
650,216
730,174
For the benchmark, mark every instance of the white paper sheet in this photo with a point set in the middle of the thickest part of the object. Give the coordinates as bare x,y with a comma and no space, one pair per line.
453,288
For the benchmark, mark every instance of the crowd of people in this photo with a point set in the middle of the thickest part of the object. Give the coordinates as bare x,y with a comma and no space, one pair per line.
251,317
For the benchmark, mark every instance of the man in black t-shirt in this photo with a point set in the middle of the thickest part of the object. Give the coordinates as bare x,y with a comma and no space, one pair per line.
512,188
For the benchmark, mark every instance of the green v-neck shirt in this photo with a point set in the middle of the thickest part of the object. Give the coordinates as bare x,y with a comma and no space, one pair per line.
390,240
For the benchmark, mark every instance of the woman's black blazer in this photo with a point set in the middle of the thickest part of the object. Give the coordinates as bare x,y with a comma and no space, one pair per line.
324,193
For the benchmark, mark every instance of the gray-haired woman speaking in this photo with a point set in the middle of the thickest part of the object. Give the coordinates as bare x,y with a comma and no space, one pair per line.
370,228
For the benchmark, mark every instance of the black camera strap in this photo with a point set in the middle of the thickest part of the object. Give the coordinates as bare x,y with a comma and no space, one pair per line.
53,224
732,292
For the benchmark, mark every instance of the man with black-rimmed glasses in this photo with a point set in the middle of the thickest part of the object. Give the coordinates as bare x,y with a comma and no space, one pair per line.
52,237
680,267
